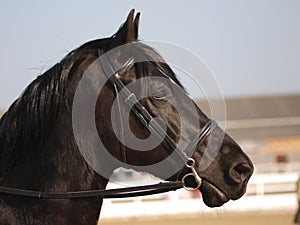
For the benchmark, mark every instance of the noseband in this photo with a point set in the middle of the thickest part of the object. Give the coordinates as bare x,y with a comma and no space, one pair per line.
144,117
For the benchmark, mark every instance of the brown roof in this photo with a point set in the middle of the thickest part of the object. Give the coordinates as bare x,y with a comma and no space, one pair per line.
261,117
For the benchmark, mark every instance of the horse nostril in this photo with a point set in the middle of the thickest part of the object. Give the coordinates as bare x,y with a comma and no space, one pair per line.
240,173
242,168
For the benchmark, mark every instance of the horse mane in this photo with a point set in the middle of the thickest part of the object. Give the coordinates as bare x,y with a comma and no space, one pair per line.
28,120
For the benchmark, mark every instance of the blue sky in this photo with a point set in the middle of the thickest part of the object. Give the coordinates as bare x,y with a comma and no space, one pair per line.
252,47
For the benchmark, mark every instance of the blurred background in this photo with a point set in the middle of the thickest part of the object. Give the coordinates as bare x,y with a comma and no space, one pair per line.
253,50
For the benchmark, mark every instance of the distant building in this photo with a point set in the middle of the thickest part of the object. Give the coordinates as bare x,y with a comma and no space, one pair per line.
267,128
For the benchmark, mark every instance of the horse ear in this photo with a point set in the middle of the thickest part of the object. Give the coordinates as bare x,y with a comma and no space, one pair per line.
128,31
136,25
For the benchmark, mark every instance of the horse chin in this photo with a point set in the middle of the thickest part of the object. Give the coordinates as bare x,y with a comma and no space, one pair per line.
212,195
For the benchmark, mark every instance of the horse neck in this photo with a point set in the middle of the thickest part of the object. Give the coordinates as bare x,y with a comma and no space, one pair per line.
55,164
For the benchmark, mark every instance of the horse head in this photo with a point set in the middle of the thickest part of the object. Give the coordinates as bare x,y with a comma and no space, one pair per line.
133,80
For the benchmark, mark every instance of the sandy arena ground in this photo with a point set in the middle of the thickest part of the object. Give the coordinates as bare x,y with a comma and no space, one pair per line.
258,218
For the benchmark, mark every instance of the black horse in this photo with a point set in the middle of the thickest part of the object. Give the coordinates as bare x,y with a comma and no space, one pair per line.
40,151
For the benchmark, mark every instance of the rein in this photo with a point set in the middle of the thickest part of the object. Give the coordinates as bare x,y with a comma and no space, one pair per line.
154,127
111,193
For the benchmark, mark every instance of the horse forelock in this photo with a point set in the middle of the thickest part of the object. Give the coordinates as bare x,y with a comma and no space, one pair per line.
156,61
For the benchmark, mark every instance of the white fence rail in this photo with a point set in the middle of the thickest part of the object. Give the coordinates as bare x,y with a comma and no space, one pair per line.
265,192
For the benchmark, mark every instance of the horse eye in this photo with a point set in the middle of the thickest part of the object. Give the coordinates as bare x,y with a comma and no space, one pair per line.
160,95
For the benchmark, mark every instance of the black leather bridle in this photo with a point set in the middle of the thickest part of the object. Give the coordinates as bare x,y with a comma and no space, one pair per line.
142,115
